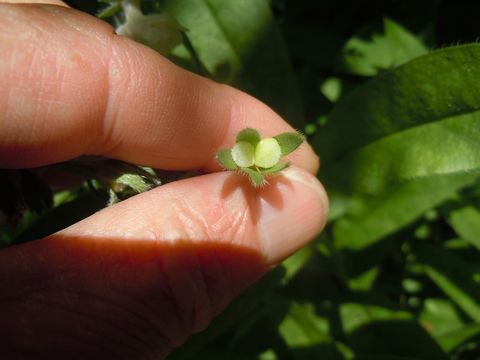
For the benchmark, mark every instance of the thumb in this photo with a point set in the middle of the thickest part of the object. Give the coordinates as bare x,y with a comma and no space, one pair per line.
140,276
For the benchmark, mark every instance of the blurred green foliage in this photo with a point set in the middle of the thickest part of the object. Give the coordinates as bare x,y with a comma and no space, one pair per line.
394,112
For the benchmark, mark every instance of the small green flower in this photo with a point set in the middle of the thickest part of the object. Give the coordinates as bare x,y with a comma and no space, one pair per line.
259,158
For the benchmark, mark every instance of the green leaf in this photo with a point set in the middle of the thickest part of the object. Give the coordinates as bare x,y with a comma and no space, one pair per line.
256,178
396,137
466,222
224,157
381,48
238,42
454,276
408,96
249,135
289,141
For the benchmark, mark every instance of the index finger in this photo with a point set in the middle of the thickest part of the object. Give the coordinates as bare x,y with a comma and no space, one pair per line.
72,87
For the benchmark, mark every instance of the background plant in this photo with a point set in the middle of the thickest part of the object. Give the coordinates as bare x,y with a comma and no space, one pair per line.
393,111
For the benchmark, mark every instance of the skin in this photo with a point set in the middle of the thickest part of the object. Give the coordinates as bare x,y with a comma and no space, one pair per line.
136,279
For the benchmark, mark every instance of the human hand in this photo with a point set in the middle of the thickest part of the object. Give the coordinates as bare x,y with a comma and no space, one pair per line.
136,279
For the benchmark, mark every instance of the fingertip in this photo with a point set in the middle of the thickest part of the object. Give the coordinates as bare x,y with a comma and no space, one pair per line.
285,229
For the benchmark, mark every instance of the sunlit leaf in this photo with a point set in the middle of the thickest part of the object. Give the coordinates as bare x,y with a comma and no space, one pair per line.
408,96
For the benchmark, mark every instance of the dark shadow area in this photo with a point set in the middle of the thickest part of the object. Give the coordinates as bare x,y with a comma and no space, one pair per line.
394,339
85,297
65,215
321,351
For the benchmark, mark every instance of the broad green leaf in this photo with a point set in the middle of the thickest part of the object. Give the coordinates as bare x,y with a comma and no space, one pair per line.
375,49
454,276
289,141
249,135
466,222
383,215
438,86
398,177
224,157
239,43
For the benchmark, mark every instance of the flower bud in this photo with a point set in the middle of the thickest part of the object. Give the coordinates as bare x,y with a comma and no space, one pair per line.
267,153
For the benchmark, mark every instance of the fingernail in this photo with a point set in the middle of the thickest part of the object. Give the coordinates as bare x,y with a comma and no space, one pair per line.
293,212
